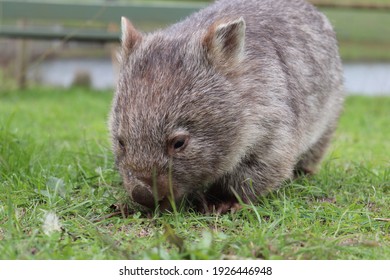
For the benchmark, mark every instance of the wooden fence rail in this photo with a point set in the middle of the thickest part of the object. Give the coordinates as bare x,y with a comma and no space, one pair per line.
45,20
349,5
92,19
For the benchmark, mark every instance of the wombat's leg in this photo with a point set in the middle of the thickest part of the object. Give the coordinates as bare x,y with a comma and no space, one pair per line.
309,161
250,180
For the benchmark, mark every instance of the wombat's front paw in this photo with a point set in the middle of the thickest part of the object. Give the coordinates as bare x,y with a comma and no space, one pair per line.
216,201
208,206
222,207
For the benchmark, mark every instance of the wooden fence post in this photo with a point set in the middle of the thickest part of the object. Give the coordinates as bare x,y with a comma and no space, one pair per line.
21,60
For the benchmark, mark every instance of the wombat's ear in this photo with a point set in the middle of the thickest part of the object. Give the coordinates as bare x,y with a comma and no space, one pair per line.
130,36
225,41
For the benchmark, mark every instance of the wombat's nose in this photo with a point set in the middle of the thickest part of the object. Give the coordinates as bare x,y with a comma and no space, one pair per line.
143,192
144,196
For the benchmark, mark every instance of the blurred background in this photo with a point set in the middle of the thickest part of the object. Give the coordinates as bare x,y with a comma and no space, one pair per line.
67,43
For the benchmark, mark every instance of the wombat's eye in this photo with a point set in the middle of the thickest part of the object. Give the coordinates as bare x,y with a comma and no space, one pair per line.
178,143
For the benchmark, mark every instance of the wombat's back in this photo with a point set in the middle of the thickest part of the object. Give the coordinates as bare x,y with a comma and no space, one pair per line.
291,52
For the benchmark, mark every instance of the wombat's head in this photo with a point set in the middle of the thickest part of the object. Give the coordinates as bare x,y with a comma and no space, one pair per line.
177,120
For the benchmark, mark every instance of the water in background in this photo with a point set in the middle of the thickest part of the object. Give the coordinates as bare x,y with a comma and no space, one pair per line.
360,78
367,78
62,72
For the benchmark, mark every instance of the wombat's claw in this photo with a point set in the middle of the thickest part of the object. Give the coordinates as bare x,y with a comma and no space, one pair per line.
224,207
121,209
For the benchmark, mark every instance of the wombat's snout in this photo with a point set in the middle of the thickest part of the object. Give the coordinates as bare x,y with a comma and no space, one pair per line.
144,194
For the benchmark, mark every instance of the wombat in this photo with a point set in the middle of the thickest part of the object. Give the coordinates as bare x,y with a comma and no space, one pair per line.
225,105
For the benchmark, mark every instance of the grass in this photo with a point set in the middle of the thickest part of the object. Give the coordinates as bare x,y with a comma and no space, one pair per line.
55,157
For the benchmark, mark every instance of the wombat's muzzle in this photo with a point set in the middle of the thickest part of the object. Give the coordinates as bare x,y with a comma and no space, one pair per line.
151,197
144,196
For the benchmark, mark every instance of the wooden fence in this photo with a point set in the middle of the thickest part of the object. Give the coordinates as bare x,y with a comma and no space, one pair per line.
98,22
80,21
